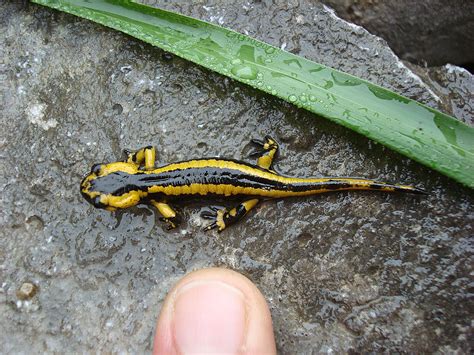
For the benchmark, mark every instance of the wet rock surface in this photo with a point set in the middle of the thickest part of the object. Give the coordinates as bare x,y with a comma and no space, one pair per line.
431,31
454,86
341,272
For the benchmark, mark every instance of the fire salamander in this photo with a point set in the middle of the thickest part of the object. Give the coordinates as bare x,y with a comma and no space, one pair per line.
136,180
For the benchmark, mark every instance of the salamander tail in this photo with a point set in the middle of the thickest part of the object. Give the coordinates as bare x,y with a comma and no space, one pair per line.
397,188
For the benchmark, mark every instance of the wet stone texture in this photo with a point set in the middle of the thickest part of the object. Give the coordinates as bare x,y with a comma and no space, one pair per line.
432,31
341,272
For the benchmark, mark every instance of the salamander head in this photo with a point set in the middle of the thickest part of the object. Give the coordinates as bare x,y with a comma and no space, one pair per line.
110,186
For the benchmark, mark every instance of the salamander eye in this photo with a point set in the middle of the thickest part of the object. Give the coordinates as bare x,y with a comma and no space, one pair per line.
96,202
96,168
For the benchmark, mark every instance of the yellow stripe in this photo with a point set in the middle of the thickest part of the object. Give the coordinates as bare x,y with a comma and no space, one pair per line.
118,166
229,190
126,200
215,163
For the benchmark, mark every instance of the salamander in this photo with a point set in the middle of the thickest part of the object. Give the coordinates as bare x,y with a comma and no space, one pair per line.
136,180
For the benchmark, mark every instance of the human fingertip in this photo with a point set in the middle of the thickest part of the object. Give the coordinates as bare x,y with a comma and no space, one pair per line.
214,311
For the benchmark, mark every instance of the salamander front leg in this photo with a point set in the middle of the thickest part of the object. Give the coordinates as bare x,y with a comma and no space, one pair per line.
222,218
146,154
169,215
266,152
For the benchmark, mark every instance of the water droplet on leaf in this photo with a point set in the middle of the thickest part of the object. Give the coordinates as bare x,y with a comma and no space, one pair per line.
244,71
292,98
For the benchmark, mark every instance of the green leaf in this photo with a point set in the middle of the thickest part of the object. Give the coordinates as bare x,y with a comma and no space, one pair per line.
417,131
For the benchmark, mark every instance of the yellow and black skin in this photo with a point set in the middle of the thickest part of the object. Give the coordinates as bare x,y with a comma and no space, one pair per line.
136,180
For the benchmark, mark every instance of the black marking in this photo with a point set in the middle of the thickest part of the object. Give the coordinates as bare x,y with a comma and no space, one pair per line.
116,183
96,202
207,175
417,190
96,168
376,186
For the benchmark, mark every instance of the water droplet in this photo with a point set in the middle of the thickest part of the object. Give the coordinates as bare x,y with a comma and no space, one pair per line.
292,98
244,71
236,61
259,76
270,50
259,83
273,92
303,98
126,69
268,60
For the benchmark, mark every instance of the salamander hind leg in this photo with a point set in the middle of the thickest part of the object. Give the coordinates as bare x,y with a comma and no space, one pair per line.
169,215
145,155
222,218
266,152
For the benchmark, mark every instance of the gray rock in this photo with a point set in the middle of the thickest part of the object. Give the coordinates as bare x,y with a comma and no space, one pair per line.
454,86
431,31
341,272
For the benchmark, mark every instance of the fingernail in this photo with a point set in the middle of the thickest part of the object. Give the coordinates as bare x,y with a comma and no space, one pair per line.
209,317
